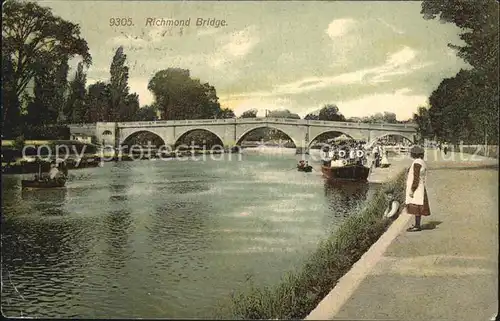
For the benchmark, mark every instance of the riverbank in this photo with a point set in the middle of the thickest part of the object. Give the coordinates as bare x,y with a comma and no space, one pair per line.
448,271
481,150
299,293
24,166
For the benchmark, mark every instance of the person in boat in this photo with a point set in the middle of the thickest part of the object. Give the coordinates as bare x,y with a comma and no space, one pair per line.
416,201
301,164
64,168
445,148
352,153
54,172
392,204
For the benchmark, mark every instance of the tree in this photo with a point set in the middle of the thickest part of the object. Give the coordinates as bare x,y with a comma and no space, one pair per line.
76,111
251,113
11,108
226,113
97,102
50,83
130,107
311,116
146,113
330,112
282,114
466,106
178,96
423,121
118,87
33,37
389,117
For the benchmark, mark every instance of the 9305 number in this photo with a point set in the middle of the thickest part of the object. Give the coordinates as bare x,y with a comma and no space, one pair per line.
121,22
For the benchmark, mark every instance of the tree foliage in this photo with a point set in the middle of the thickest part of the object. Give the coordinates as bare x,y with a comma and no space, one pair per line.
226,113
251,113
76,110
423,121
146,113
118,87
178,96
311,116
50,83
97,102
465,107
330,112
282,113
32,39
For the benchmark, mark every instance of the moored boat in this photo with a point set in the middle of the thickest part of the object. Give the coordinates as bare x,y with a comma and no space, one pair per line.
306,169
351,172
345,162
53,183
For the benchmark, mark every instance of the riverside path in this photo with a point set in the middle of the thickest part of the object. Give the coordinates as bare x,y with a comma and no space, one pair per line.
448,271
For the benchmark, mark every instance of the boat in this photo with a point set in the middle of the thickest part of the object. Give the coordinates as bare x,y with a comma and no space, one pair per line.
351,172
35,183
306,169
44,182
345,164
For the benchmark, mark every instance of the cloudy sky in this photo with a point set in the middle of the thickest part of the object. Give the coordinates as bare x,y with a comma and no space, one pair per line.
366,57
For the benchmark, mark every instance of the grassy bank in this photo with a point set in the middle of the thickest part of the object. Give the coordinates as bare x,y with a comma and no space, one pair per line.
492,151
299,293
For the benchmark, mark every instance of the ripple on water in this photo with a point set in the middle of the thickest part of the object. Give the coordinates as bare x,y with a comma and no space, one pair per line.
159,239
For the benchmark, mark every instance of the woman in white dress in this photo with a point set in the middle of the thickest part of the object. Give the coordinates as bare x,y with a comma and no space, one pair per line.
417,202
385,159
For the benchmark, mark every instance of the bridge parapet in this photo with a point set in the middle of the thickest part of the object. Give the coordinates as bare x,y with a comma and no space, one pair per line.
290,121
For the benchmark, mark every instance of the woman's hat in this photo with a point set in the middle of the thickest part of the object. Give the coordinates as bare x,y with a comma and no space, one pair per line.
416,150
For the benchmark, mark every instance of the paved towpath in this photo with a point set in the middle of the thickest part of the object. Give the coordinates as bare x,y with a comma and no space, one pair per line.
449,271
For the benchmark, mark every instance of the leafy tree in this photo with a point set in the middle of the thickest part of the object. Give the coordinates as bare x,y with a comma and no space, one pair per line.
330,112
118,87
422,119
311,116
466,106
130,107
146,113
76,111
226,113
32,37
251,113
11,108
49,94
389,117
178,96
97,102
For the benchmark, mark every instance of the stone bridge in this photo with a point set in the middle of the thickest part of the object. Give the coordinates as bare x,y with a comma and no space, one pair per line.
232,131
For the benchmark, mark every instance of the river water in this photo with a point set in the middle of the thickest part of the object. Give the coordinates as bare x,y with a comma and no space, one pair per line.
162,239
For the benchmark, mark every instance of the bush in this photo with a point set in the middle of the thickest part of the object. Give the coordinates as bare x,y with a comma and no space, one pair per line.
299,293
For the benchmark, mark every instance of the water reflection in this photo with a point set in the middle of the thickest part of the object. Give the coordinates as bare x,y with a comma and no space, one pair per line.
47,202
42,265
345,193
161,239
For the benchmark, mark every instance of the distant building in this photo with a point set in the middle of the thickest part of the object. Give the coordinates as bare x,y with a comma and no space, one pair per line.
84,138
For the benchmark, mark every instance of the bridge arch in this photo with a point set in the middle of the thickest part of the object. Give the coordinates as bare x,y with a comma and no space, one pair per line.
250,130
408,137
217,137
107,132
325,133
131,138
